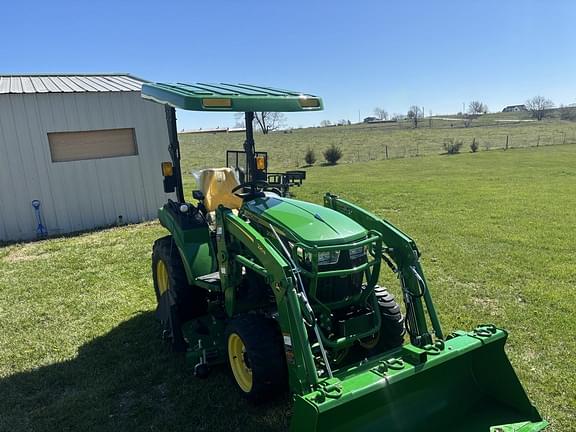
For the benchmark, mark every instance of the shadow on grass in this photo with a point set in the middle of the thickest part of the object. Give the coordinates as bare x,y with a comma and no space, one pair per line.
129,380
52,236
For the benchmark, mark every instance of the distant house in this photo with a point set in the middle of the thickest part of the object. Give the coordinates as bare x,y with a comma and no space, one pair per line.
377,120
208,131
515,108
371,119
213,130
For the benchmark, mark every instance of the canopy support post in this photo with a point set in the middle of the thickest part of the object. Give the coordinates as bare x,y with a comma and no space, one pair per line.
174,150
249,146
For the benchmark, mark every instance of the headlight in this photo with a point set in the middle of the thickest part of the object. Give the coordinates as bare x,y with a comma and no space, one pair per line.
357,252
330,257
324,258
300,252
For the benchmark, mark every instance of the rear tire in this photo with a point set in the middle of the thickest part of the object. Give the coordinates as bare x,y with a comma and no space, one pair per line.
256,356
392,328
177,301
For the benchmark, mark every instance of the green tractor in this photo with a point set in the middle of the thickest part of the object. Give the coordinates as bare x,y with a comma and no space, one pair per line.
286,293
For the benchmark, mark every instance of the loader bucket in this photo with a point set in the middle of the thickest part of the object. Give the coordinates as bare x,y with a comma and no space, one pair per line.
467,385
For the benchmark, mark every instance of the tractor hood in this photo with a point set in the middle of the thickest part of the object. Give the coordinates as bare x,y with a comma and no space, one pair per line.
306,222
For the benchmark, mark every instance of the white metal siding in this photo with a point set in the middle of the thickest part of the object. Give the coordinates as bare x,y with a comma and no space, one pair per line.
77,195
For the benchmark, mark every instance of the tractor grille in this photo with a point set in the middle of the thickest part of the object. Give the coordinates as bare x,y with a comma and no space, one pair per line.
338,288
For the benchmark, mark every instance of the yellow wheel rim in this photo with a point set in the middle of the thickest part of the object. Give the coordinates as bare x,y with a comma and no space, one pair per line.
162,277
237,357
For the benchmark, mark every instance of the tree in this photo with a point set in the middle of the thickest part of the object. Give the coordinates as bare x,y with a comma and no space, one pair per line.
538,105
325,123
476,107
269,121
310,156
332,154
381,113
415,113
474,146
452,146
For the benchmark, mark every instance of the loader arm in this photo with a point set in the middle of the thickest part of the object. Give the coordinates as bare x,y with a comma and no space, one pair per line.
406,257
241,245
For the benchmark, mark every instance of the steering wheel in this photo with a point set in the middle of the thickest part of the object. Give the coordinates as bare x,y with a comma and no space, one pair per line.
256,187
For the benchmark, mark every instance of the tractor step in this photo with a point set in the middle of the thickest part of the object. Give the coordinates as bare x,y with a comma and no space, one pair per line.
210,277
210,281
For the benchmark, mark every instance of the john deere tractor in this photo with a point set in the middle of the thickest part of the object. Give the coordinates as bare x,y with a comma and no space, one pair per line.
286,293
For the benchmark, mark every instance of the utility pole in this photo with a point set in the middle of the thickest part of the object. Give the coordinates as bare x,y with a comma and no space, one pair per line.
358,116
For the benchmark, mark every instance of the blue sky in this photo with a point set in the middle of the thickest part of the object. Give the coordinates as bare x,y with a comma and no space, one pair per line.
357,55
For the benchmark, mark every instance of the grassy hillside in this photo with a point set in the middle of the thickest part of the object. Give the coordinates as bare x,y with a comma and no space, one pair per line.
80,349
365,142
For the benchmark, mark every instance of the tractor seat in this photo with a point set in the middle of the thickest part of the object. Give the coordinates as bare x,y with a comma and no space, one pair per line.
216,184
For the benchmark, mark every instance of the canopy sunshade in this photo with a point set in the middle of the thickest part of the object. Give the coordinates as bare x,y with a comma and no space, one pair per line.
230,97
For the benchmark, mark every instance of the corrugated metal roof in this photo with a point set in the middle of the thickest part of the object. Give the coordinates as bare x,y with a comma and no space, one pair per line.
69,83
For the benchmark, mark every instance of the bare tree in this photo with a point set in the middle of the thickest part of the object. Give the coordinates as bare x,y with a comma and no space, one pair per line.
381,113
538,105
325,123
269,121
476,107
415,113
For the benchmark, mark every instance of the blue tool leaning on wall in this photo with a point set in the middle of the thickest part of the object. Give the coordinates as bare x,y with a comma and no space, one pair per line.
41,230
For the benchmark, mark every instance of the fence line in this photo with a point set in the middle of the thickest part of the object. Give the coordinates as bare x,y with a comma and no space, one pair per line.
424,147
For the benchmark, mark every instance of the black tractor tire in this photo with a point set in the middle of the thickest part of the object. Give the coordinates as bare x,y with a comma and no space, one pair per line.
263,355
392,329
179,302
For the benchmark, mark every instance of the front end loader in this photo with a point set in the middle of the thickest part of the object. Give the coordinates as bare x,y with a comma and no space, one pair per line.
287,293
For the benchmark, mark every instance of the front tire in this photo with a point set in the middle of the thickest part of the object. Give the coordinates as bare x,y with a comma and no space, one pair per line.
392,331
256,356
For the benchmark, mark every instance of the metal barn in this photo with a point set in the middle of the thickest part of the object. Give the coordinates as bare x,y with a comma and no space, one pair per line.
88,147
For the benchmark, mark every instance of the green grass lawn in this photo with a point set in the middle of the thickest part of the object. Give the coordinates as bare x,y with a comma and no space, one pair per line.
80,349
